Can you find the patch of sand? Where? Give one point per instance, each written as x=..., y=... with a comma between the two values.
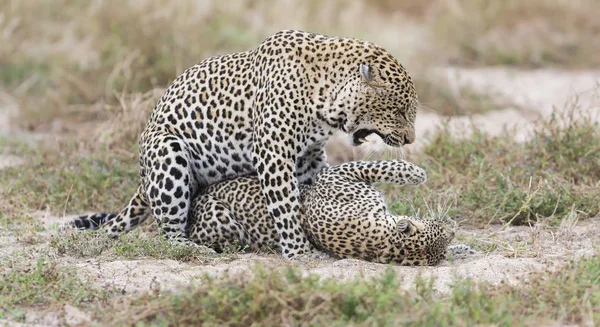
x=7, y=160
x=536, y=94
x=543, y=248
x=8, y=244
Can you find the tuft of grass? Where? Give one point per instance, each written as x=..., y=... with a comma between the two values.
x=568, y=295
x=42, y=283
x=131, y=246
x=568, y=144
x=127, y=119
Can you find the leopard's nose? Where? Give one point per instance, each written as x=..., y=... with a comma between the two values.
x=409, y=137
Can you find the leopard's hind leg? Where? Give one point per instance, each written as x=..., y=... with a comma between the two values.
x=211, y=223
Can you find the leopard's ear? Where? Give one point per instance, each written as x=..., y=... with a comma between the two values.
x=409, y=226
x=405, y=226
x=367, y=73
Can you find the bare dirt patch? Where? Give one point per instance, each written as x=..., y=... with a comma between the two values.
x=7, y=160
x=519, y=251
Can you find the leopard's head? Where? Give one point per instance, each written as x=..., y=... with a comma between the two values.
x=421, y=241
x=379, y=98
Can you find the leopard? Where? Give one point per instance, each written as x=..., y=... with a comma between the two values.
x=269, y=112
x=343, y=215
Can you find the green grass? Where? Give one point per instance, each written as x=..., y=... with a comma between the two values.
x=41, y=283
x=63, y=180
x=97, y=73
x=479, y=179
x=569, y=295
x=14, y=73
x=131, y=246
x=485, y=179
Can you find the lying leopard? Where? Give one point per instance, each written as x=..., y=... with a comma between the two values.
x=266, y=112
x=342, y=215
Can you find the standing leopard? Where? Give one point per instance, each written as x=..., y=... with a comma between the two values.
x=267, y=111
x=342, y=214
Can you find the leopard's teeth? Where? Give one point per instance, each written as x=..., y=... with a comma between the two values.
x=363, y=140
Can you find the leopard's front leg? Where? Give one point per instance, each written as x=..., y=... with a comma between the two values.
x=400, y=172
x=275, y=166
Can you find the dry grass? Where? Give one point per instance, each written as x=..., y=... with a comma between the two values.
x=40, y=283
x=144, y=242
x=527, y=33
x=67, y=63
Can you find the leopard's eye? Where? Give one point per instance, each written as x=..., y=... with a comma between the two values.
x=403, y=114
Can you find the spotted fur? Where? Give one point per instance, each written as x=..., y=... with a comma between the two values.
x=268, y=112
x=342, y=214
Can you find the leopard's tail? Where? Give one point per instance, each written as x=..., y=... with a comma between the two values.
x=136, y=212
x=91, y=222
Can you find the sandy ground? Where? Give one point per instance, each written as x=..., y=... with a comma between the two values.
x=538, y=248
x=520, y=250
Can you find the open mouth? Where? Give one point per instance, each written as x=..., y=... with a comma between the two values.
x=359, y=137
